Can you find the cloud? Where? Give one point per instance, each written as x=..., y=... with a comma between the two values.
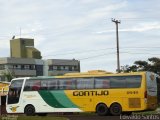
x=69, y=26
x=139, y=28
x=143, y=27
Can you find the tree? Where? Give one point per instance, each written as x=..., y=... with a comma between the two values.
x=152, y=64
x=8, y=75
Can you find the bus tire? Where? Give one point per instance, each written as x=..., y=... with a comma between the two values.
x=29, y=110
x=102, y=109
x=115, y=109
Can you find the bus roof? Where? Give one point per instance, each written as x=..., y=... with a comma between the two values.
x=91, y=73
x=4, y=82
x=97, y=73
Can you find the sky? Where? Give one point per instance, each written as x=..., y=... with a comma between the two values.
x=83, y=29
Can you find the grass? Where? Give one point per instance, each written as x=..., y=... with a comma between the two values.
x=63, y=117
x=16, y=117
x=145, y=112
x=157, y=111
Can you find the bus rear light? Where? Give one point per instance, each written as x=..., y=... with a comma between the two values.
x=145, y=94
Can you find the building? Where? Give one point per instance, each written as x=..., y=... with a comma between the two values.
x=24, y=48
x=30, y=67
x=60, y=66
x=21, y=67
x=25, y=61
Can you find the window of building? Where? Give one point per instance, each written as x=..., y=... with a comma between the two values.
x=72, y=68
x=50, y=67
x=16, y=66
x=75, y=67
x=54, y=67
x=22, y=67
x=26, y=67
x=32, y=67
x=2, y=67
x=58, y=67
x=62, y=67
x=66, y=68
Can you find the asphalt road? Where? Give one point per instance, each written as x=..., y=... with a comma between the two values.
x=121, y=117
x=89, y=117
x=93, y=117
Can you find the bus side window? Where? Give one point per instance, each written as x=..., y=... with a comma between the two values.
x=44, y=85
x=14, y=91
x=118, y=82
x=133, y=81
x=32, y=85
x=36, y=85
x=52, y=84
x=27, y=86
x=85, y=83
x=62, y=84
x=67, y=84
x=70, y=84
x=102, y=82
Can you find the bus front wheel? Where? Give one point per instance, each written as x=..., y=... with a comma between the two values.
x=115, y=109
x=29, y=110
x=102, y=109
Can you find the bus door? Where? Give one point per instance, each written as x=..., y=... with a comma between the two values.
x=151, y=90
x=3, y=105
x=14, y=94
x=158, y=89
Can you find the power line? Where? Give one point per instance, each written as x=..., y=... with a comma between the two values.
x=140, y=53
x=101, y=55
x=139, y=47
x=96, y=56
x=104, y=54
x=79, y=52
x=138, y=18
x=103, y=49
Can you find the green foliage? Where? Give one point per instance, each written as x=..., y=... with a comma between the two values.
x=40, y=118
x=8, y=75
x=152, y=64
x=21, y=117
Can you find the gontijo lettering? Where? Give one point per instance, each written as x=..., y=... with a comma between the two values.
x=91, y=93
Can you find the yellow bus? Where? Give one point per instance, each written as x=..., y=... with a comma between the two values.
x=94, y=91
x=4, y=87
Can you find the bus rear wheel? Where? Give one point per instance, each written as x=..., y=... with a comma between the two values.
x=102, y=109
x=115, y=109
x=29, y=110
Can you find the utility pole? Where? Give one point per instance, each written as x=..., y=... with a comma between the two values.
x=118, y=61
x=20, y=32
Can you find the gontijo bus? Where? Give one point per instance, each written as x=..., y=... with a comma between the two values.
x=94, y=91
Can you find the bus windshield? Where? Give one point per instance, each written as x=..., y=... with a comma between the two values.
x=14, y=91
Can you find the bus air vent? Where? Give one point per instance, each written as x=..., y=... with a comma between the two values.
x=134, y=102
